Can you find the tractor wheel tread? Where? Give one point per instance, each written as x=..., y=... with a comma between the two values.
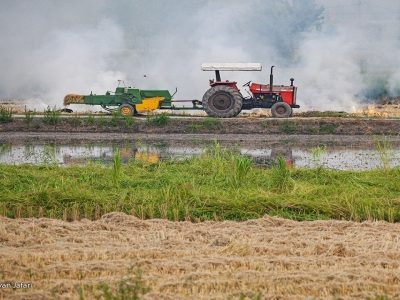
x=281, y=110
x=212, y=111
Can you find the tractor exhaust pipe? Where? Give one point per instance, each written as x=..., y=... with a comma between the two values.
x=271, y=79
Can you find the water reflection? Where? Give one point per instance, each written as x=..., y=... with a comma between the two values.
x=328, y=157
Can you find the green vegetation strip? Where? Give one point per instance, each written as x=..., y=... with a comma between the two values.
x=218, y=185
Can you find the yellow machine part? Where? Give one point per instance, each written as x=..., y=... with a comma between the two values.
x=149, y=104
x=147, y=157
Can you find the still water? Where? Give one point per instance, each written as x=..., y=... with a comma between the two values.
x=343, y=158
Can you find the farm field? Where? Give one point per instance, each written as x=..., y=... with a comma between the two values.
x=129, y=223
x=216, y=225
x=240, y=150
x=266, y=258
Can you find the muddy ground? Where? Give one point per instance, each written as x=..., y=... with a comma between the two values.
x=271, y=257
x=185, y=125
x=251, y=141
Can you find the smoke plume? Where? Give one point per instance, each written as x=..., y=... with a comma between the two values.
x=340, y=52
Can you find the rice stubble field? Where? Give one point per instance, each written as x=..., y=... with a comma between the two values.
x=266, y=258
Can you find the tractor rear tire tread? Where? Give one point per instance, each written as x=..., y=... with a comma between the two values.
x=213, y=112
x=276, y=113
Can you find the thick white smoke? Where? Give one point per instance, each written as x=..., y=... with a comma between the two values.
x=341, y=52
x=352, y=57
x=43, y=57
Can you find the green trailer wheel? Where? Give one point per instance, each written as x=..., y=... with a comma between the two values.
x=126, y=110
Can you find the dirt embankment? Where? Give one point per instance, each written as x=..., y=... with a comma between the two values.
x=271, y=257
x=339, y=126
x=250, y=141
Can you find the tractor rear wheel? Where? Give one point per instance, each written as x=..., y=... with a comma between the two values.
x=222, y=101
x=281, y=110
x=126, y=110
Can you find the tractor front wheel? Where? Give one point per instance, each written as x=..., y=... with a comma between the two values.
x=281, y=110
x=126, y=110
x=222, y=101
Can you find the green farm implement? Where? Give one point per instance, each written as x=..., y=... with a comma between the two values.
x=128, y=100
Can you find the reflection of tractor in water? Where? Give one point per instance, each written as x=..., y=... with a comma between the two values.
x=154, y=154
x=285, y=152
x=223, y=99
x=126, y=153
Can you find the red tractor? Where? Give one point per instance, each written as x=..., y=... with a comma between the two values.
x=224, y=99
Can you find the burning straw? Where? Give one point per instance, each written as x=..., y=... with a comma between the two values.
x=73, y=98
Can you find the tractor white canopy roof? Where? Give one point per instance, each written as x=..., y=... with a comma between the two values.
x=231, y=67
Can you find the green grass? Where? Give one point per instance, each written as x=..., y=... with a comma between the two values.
x=218, y=185
x=5, y=115
x=130, y=287
x=208, y=123
x=317, y=153
x=128, y=121
x=160, y=120
x=89, y=120
x=75, y=121
x=385, y=151
x=211, y=123
x=100, y=121
x=288, y=127
x=327, y=128
x=29, y=116
x=51, y=116
x=115, y=117
x=323, y=114
x=193, y=127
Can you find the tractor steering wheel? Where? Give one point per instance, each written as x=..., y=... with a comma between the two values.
x=247, y=84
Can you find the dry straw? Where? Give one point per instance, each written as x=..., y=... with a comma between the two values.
x=73, y=98
x=269, y=257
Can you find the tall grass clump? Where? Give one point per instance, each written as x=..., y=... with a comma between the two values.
x=5, y=114
x=101, y=121
x=281, y=178
x=194, y=127
x=115, y=117
x=76, y=120
x=116, y=167
x=128, y=121
x=317, y=153
x=51, y=116
x=29, y=115
x=160, y=120
x=241, y=167
x=385, y=151
x=89, y=119
x=48, y=155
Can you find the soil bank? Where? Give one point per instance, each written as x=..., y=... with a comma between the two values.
x=184, y=125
